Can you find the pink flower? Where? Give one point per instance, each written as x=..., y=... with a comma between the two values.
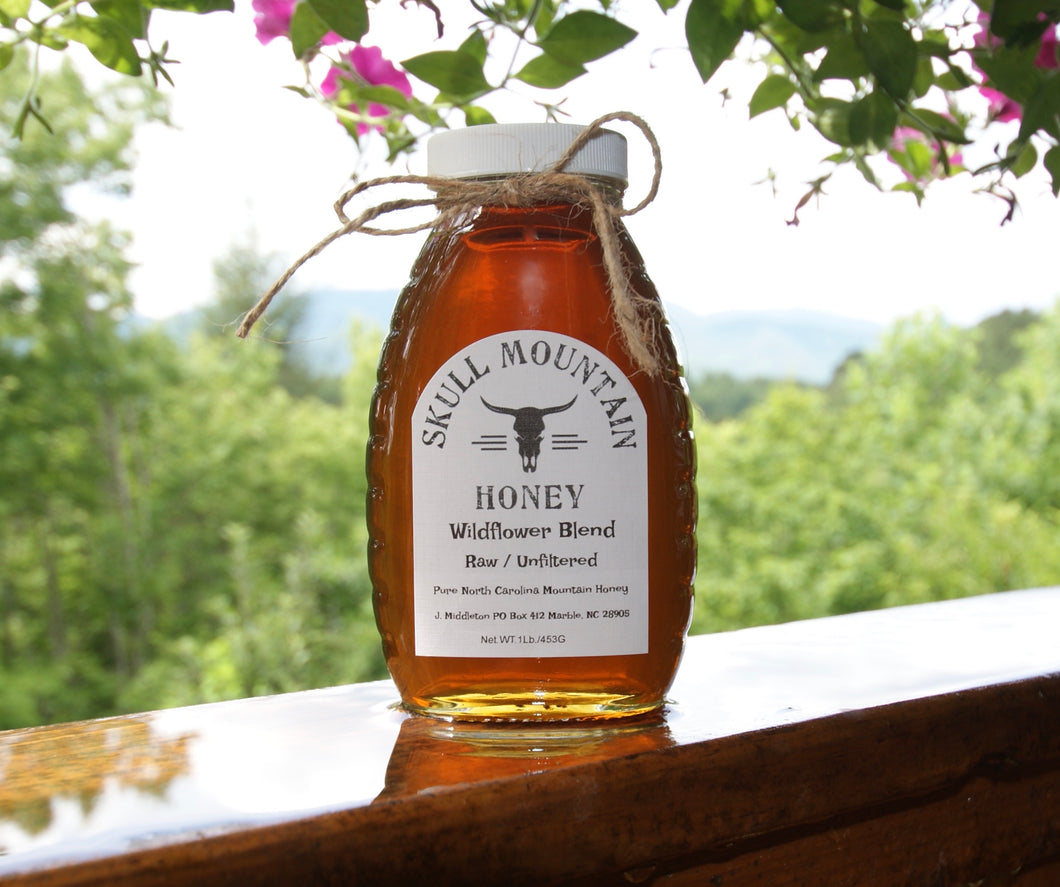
x=1001, y=107
x=1047, y=55
x=366, y=66
x=983, y=37
x=903, y=135
x=272, y=19
x=916, y=155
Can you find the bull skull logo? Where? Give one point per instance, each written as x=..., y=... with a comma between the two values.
x=529, y=428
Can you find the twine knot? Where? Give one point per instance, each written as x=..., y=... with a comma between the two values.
x=636, y=315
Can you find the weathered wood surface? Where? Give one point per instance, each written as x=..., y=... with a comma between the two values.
x=912, y=746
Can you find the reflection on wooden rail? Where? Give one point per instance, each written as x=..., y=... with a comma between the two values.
x=919, y=745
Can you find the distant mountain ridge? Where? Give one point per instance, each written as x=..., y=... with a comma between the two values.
x=805, y=346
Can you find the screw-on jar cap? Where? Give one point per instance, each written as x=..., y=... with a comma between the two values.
x=500, y=149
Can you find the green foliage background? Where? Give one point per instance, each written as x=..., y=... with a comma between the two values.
x=918, y=476
x=183, y=522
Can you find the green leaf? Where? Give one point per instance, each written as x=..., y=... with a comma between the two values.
x=935, y=44
x=755, y=13
x=1052, y=163
x=949, y=82
x=546, y=14
x=427, y=114
x=348, y=18
x=810, y=15
x=191, y=5
x=954, y=79
x=7, y=53
x=307, y=29
x=52, y=39
x=547, y=72
x=397, y=144
x=352, y=93
x=937, y=126
x=866, y=171
x=14, y=8
x=713, y=28
x=786, y=34
x=913, y=188
x=1021, y=22
x=476, y=116
x=925, y=77
x=667, y=5
x=1011, y=71
x=922, y=159
x=1043, y=108
x=129, y=15
x=891, y=54
x=583, y=36
x=475, y=46
x=872, y=120
x=832, y=119
x=773, y=92
x=1024, y=161
x=844, y=60
x=107, y=40
x=456, y=74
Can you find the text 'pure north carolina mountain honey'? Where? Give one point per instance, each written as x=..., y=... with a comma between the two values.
x=531, y=502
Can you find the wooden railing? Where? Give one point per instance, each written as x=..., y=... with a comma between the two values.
x=919, y=745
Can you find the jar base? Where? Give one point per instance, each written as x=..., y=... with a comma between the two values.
x=533, y=707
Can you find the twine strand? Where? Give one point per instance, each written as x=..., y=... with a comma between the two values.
x=636, y=316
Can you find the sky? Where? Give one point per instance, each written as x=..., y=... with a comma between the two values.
x=251, y=162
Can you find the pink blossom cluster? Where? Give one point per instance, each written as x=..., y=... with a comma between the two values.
x=364, y=65
x=272, y=19
x=1003, y=108
x=901, y=140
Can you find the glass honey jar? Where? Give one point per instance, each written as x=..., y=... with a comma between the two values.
x=531, y=504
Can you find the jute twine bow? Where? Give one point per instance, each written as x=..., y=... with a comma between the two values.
x=637, y=316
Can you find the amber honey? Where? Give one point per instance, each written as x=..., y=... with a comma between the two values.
x=537, y=586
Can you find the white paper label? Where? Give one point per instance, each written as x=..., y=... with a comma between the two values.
x=530, y=503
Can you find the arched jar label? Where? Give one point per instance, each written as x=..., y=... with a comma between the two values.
x=530, y=503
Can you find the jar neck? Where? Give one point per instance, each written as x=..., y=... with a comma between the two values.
x=610, y=189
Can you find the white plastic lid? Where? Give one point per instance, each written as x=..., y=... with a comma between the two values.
x=499, y=149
